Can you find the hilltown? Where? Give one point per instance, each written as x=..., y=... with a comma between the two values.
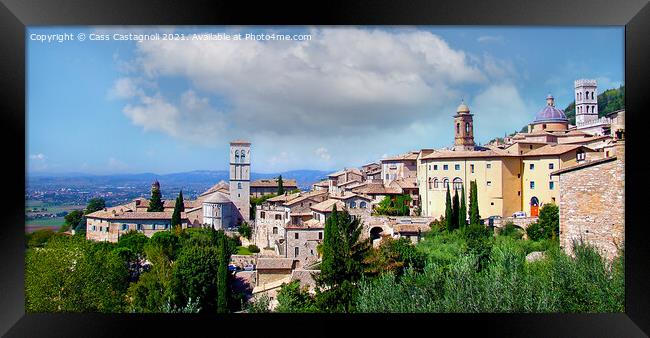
x=578, y=167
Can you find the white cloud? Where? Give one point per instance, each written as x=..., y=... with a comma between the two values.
x=125, y=88
x=116, y=165
x=500, y=107
x=38, y=157
x=323, y=153
x=490, y=39
x=342, y=91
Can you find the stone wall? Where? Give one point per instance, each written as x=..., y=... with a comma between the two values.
x=592, y=206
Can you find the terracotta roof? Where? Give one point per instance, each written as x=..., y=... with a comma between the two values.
x=467, y=153
x=274, y=263
x=323, y=183
x=554, y=149
x=411, y=228
x=341, y=172
x=588, y=139
x=284, y=198
x=221, y=186
x=290, y=183
x=377, y=189
x=347, y=195
x=217, y=197
x=357, y=185
x=584, y=165
x=240, y=141
x=144, y=203
x=163, y=215
x=312, y=223
x=305, y=196
x=307, y=225
x=327, y=205
x=410, y=156
x=406, y=182
x=348, y=183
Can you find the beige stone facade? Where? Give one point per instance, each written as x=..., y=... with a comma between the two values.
x=592, y=204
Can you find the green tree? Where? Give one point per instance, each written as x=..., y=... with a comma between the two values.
x=455, y=210
x=342, y=264
x=474, y=216
x=449, y=213
x=72, y=219
x=38, y=238
x=393, y=255
x=280, y=186
x=70, y=274
x=95, y=204
x=223, y=291
x=549, y=220
x=245, y=230
x=462, y=214
x=294, y=299
x=178, y=208
x=155, y=202
x=199, y=268
x=153, y=290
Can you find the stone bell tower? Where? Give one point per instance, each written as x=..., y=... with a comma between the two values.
x=463, y=128
x=586, y=101
x=240, y=179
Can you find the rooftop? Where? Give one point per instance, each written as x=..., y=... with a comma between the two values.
x=275, y=263
x=584, y=165
x=327, y=205
x=273, y=183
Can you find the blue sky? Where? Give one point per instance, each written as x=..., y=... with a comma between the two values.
x=348, y=96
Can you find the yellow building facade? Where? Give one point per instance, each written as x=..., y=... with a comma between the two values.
x=509, y=180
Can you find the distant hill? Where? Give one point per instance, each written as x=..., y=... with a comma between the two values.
x=197, y=179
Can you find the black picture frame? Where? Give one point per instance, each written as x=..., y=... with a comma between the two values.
x=16, y=15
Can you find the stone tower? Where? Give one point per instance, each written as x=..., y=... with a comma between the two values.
x=586, y=101
x=240, y=179
x=463, y=128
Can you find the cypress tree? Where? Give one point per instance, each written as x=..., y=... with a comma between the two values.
x=222, y=275
x=448, y=212
x=330, y=245
x=280, y=186
x=455, y=212
x=462, y=216
x=155, y=202
x=474, y=216
x=178, y=208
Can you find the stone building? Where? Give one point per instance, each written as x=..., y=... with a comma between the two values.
x=592, y=203
x=342, y=177
x=302, y=242
x=240, y=178
x=263, y=187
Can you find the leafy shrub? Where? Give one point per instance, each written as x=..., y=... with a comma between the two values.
x=253, y=248
x=511, y=230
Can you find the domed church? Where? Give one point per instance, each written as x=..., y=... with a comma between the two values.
x=549, y=118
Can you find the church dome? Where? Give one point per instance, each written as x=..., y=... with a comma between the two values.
x=550, y=113
x=462, y=108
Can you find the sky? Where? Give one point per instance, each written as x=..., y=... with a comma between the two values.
x=345, y=97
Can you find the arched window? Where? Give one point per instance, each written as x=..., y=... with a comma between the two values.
x=278, y=217
x=243, y=156
x=458, y=183
x=430, y=182
x=238, y=185
x=275, y=230
x=445, y=183
x=353, y=205
x=467, y=128
x=587, y=96
x=592, y=95
x=362, y=205
x=435, y=183
x=457, y=128
x=236, y=156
